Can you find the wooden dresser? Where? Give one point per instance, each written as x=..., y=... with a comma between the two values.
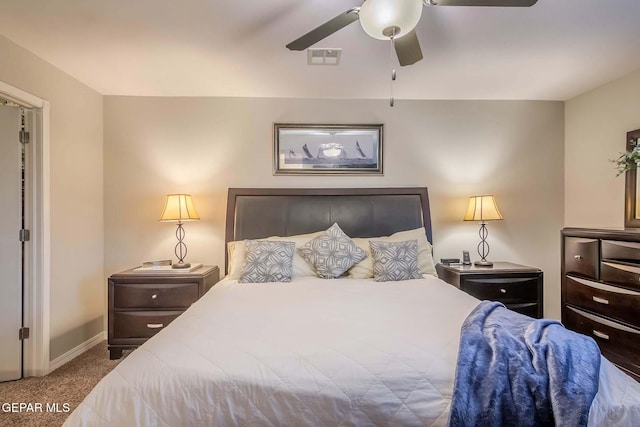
x=601, y=291
x=141, y=304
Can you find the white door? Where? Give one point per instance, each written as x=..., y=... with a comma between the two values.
x=10, y=245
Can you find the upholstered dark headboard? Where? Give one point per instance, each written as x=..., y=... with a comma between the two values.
x=254, y=213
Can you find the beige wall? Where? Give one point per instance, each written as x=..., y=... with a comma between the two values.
x=77, y=279
x=596, y=124
x=514, y=150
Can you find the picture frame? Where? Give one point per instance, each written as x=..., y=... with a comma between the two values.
x=632, y=187
x=321, y=149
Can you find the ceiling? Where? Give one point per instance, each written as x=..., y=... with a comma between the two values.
x=554, y=50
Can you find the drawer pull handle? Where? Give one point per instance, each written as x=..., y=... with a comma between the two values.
x=578, y=257
x=154, y=296
x=159, y=325
x=600, y=300
x=600, y=335
x=504, y=291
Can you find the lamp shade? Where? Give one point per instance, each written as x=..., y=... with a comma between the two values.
x=482, y=208
x=179, y=207
x=378, y=15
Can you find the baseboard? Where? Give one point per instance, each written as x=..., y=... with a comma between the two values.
x=77, y=351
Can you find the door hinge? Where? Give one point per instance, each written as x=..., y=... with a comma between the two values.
x=24, y=137
x=23, y=333
x=25, y=235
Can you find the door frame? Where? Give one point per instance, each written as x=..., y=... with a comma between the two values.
x=37, y=271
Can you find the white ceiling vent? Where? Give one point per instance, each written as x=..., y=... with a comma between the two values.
x=323, y=56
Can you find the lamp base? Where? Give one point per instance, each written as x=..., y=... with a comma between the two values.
x=181, y=265
x=483, y=264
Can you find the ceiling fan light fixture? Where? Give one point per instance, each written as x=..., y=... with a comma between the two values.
x=376, y=16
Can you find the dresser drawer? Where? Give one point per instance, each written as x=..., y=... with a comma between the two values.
x=505, y=289
x=621, y=251
x=581, y=257
x=154, y=295
x=610, y=336
x=620, y=274
x=607, y=300
x=141, y=324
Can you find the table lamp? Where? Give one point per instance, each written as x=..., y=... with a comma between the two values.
x=483, y=208
x=179, y=207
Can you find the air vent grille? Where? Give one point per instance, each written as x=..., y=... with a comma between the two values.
x=323, y=56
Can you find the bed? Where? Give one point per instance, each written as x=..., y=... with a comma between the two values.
x=349, y=351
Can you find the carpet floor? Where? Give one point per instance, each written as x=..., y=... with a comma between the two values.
x=58, y=393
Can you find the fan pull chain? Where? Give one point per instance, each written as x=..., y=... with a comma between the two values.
x=393, y=70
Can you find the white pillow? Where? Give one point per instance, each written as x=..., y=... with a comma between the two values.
x=237, y=253
x=364, y=269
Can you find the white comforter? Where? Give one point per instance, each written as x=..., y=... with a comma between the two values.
x=311, y=352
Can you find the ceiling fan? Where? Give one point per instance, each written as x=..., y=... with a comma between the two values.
x=393, y=20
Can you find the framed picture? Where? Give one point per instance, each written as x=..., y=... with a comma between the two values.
x=301, y=149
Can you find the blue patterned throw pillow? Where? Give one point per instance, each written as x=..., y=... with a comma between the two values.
x=267, y=261
x=395, y=260
x=332, y=253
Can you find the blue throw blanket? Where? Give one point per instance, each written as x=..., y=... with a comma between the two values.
x=516, y=371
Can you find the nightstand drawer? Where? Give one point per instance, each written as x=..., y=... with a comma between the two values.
x=506, y=290
x=516, y=286
x=617, y=303
x=154, y=295
x=528, y=309
x=582, y=256
x=141, y=324
x=610, y=336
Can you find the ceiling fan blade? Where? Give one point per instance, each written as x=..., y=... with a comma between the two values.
x=499, y=3
x=408, y=48
x=325, y=30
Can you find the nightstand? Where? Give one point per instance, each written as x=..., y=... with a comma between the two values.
x=517, y=286
x=141, y=304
